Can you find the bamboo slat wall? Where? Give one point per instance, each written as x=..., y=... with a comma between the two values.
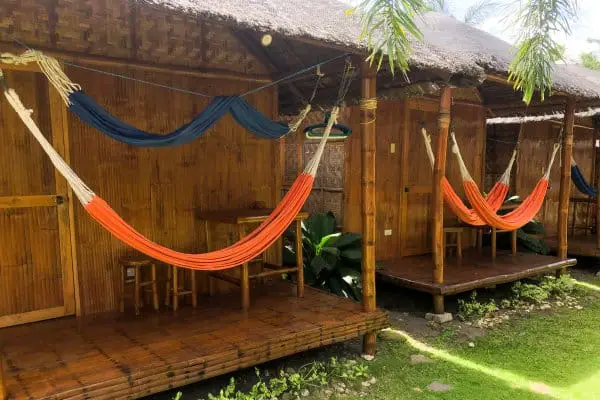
x=404, y=176
x=30, y=266
x=125, y=30
x=536, y=146
x=158, y=191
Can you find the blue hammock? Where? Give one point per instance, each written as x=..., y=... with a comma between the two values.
x=91, y=112
x=580, y=182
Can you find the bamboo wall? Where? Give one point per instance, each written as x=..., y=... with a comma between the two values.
x=403, y=180
x=30, y=267
x=536, y=147
x=158, y=191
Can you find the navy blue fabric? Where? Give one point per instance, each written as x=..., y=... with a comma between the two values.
x=91, y=112
x=581, y=183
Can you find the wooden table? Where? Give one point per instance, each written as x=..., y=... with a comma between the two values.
x=241, y=218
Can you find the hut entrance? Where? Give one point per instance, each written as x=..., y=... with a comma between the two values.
x=36, y=271
x=417, y=177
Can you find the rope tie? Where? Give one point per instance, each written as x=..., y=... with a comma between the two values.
x=313, y=164
x=49, y=66
x=557, y=147
x=368, y=105
x=301, y=117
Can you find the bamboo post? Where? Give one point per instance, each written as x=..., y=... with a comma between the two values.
x=245, y=276
x=513, y=242
x=437, y=201
x=565, y=179
x=494, y=242
x=299, y=259
x=3, y=389
x=368, y=106
x=596, y=123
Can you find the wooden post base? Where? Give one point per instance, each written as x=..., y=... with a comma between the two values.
x=438, y=304
x=370, y=343
x=561, y=272
x=3, y=390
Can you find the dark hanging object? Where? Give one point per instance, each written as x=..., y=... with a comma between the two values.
x=338, y=131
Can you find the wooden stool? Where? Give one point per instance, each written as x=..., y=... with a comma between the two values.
x=513, y=241
x=458, y=242
x=176, y=289
x=136, y=263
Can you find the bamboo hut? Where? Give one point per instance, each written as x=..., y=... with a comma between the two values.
x=414, y=230
x=61, y=332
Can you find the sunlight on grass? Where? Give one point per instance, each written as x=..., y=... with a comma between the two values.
x=514, y=380
x=587, y=285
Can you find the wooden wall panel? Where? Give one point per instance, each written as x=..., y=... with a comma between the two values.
x=536, y=148
x=30, y=265
x=158, y=191
x=403, y=178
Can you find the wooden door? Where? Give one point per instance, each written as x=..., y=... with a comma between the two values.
x=416, y=179
x=36, y=259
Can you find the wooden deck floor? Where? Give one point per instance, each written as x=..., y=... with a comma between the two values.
x=579, y=245
x=475, y=271
x=117, y=357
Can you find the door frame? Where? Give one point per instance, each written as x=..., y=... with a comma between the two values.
x=63, y=201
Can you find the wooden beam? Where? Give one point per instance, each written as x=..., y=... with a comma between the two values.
x=49, y=200
x=111, y=62
x=503, y=80
x=565, y=178
x=368, y=90
x=32, y=316
x=3, y=384
x=437, y=199
x=260, y=52
x=59, y=119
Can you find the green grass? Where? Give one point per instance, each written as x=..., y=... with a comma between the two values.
x=539, y=357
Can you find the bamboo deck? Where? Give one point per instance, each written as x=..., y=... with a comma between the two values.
x=474, y=271
x=118, y=357
x=578, y=245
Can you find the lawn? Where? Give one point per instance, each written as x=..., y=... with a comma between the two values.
x=552, y=355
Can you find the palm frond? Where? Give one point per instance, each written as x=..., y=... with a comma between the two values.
x=478, y=12
x=388, y=27
x=441, y=6
x=537, y=50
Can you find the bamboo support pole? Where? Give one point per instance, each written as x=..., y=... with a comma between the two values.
x=245, y=274
x=596, y=123
x=299, y=259
x=3, y=389
x=565, y=179
x=368, y=90
x=513, y=242
x=437, y=202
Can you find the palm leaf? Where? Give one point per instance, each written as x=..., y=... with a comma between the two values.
x=479, y=11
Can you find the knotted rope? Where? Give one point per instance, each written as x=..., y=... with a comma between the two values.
x=368, y=105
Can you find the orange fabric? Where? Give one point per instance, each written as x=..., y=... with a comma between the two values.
x=516, y=218
x=241, y=252
x=494, y=200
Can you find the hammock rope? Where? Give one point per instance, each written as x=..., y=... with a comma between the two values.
x=243, y=251
x=90, y=112
x=517, y=218
x=580, y=182
x=495, y=197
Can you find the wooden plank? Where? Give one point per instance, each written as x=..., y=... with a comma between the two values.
x=110, y=62
x=403, y=179
x=31, y=316
x=60, y=141
x=49, y=200
x=368, y=138
x=437, y=203
x=475, y=270
x=565, y=178
x=107, y=357
x=31, y=67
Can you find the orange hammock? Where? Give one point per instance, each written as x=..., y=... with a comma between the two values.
x=243, y=251
x=520, y=216
x=494, y=199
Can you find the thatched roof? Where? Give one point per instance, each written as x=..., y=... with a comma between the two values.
x=450, y=45
x=324, y=21
x=493, y=53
